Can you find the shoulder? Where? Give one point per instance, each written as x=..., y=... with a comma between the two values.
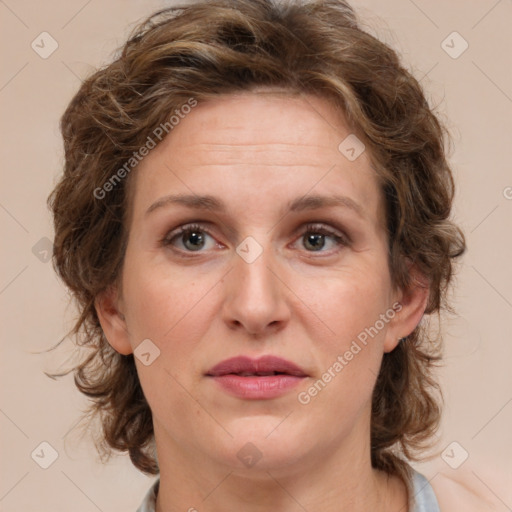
x=463, y=490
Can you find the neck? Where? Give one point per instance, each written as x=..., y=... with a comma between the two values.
x=342, y=481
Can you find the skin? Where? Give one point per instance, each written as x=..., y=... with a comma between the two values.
x=257, y=151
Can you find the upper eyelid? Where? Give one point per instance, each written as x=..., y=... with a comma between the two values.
x=303, y=227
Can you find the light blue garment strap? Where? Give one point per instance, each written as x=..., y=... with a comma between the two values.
x=423, y=497
x=149, y=503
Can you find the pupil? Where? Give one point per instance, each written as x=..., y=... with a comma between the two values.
x=314, y=240
x=196, y=240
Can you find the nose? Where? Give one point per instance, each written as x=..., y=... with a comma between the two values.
x=256, y=296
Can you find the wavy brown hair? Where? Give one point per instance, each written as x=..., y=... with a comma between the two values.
x=218, y=47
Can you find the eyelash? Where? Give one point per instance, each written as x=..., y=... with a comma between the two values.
x=310, y=228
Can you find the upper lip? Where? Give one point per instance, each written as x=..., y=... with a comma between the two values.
x=263, y=365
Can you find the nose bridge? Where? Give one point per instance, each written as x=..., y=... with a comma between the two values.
x=255, y=297
x=255, y=276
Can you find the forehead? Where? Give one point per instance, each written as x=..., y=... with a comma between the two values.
x=279, y=134
x=238, y=122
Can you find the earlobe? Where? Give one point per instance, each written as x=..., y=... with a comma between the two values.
x=112, y=320
x=413, y=303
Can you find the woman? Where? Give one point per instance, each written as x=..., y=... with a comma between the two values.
x=254, y=217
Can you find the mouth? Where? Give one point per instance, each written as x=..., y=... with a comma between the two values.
x=265, y=366
x=258, y=374
x=256, y=379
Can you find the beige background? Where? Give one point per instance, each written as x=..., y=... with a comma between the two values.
x=474, y=94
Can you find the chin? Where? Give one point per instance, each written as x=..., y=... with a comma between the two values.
x=264, y=443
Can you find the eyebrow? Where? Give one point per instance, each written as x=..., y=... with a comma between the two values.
x=211, y=203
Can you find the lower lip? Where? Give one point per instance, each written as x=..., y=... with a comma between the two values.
x=257, y=388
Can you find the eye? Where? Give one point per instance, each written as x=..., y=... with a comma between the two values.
x=190, y=238
x=316, y=237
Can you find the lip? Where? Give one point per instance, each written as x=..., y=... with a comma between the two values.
x=232, y=377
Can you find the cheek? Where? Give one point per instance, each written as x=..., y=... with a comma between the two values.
x=163, y=306
x=349, y=304
x=174, y=312
x=351, y=348
x=166, y=393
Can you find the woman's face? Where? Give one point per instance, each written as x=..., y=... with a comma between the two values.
x=284, y=253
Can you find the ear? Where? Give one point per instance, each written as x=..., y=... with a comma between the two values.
x=410, y=307
x=112, y=320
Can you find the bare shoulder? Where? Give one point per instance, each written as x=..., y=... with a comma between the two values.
x=466, y=491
